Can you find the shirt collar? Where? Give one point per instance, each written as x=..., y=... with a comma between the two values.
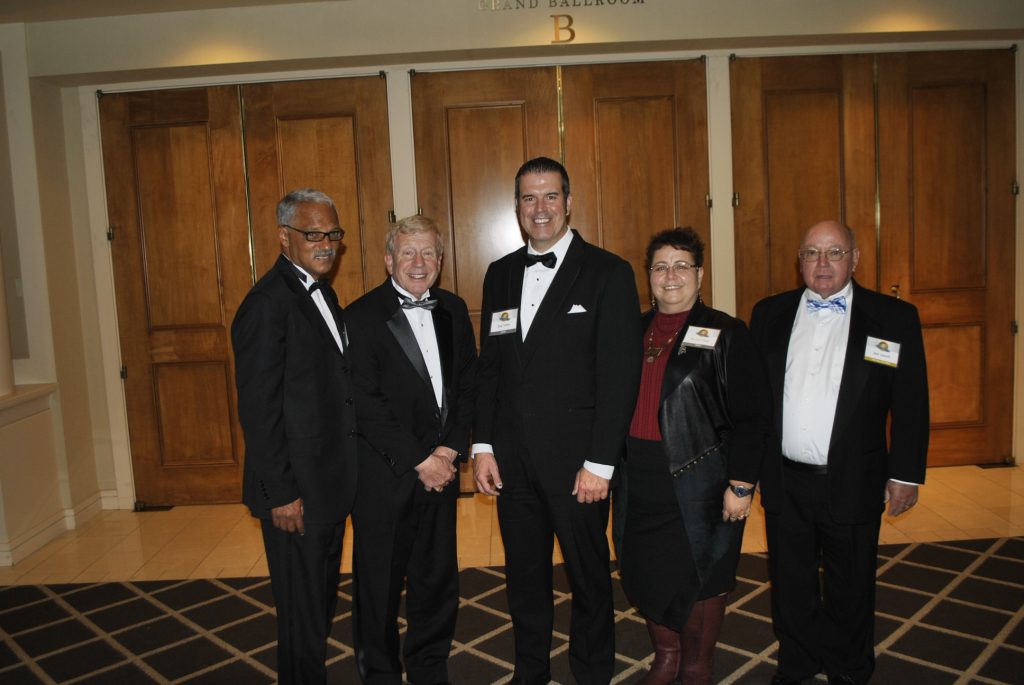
x=559, y=249
x=406, y=293
x=846, y=292
x=303, y=275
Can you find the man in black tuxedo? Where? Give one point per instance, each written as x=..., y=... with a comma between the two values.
x=413, y=356
x=295, y=404
x=841, y=361
x=557, y=381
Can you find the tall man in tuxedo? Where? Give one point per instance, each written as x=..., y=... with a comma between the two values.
x=557, y=381
x=413, y=355
x=296, y=409
x=841, y=361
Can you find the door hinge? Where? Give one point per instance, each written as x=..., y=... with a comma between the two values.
x=735, y=199
x=708, y=202
x=124, y=373
x=391, y=216
x=110, y=232
x=1016, y=189
x=1013, y=327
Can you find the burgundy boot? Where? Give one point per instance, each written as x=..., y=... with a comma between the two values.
x=665, y=668
x=698, y=640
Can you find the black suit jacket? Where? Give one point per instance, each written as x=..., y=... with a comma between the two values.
x=860, y=459
x=295, y=400
x=566, y=394
x=399, y=420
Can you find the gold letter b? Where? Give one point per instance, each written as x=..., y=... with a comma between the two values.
x=563, y=29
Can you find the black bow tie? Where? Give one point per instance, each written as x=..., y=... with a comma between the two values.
x=319, y=285
x=548, y=259
x=409, y=303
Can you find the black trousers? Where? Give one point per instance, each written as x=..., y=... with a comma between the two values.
x=413, y=547
x=823, y=584
x=304, y=571
x=530, y=519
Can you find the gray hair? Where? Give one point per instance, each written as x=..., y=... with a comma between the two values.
x=288, y=205
x=417, y=223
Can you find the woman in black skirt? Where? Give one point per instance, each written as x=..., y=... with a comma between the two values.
x=693, y=458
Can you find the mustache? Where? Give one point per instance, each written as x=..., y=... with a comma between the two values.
x=327, y=252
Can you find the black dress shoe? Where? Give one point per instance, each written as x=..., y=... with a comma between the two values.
x=779, y=679
x=841, y=679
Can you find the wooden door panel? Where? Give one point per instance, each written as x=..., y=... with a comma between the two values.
x=948, y=187
x=176, y=202
x=483, y=220
x=191, y=394
x=636, y=148
x=955, y=375
x=803, y=159
x=947, y=226
x=178, y=227
x=803, y=151
x=331, y=135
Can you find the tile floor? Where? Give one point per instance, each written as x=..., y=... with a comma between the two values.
x=223, y=541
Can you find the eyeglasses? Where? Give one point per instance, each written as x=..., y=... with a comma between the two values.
x=678, y=268
x=811, y=254
x=317, y=236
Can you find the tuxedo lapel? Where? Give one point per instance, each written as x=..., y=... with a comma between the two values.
x=443, y=333
x=399, y=326
x=854, y=376
x=780, y=330
x=307, y=306
x=682, y=360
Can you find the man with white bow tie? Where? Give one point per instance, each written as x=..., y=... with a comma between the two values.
x=842, y=361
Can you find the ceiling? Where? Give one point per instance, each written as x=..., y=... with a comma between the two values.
x=17, y=11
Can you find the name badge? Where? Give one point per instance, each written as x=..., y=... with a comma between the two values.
x=504, y=322
x=882, y=351
x=701, y=337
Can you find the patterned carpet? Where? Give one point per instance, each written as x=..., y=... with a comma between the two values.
x=948, y=612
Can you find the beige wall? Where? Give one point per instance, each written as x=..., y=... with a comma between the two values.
x=50, y=72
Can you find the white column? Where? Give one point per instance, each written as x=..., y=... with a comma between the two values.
x=6, y=363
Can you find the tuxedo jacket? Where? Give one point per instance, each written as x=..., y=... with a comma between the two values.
x=566, y=394
x=399, y=420
x=295, y=400
x=861, y=456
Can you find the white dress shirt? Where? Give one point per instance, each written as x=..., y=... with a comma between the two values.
x=422, y=323
x=321, y=304
x=814, y=370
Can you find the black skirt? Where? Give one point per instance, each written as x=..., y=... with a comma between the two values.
x=659, y=574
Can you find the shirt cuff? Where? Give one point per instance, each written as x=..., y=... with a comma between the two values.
x=905, y=482
x=480, y=447
x=605, y=471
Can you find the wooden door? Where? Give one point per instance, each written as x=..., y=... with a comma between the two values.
x=803, y=151
x=636, y=145
x=176, y=202
x=946, y=132
x=331, y=135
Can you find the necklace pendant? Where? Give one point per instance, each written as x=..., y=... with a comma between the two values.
x=653, y=353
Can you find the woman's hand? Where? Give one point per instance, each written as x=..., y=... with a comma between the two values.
x=734, y=507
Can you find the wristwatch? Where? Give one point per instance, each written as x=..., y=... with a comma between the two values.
x=742, y=490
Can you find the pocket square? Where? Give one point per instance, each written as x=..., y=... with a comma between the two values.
x=577, y=309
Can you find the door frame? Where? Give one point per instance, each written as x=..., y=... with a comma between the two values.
x=111, y=435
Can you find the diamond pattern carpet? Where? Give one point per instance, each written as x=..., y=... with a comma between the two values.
x=950, y=612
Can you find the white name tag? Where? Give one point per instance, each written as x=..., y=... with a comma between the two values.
x=504, y=322
x=882, y=351
x=701, y=337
